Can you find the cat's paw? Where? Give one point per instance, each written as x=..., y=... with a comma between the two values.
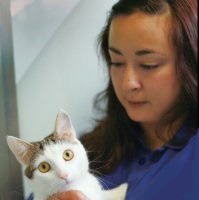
x=121, y=191
x=118, y=193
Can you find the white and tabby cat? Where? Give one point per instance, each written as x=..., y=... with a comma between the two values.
x=59, y=163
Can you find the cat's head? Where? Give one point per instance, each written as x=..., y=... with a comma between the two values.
x=56, y=160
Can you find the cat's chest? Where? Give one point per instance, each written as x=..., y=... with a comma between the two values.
x=86, y=183
x=89, y=185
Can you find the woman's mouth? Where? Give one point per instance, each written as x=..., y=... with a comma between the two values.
x=136, y=104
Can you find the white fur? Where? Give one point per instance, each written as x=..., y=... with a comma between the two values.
x=46, y=184
x=75, y=172
x=79, y=177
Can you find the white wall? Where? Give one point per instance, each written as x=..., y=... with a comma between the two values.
x=66, y=74
x=34, y=23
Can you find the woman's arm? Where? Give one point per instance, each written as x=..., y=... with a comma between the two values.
x=69, y=195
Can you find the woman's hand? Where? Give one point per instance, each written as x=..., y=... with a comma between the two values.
x=69, y=195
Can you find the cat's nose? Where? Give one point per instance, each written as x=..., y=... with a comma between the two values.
x=63, y=176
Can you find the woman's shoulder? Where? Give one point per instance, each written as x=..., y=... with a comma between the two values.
x=191, y=137
x=193, y=146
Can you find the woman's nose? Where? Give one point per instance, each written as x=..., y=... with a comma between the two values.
x=131, y=79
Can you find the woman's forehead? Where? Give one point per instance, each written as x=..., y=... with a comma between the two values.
x=140, y=31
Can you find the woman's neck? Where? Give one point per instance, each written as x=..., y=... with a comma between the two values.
x=151, y=138
x=156, y=136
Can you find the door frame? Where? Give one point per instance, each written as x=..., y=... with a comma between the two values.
x=11, y=186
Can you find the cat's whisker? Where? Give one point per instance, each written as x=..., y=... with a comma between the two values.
x=96, y=161
x=92, y=151
x=96, y=170
x=106, y=183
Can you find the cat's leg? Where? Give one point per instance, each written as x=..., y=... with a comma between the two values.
x=40, y=197
x=118, y=193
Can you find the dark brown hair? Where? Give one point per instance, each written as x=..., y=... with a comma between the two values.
x=110, y=141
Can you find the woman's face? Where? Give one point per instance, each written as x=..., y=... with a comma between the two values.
x=142, y=68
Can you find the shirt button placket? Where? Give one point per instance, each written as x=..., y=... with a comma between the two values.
x=142, y=161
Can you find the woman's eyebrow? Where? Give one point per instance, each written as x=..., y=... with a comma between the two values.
x=141, y=52
x=114, y=50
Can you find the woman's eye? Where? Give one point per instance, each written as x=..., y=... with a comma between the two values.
x=149, y=66
x=68, y=155
x=44, y=167
x=116, y=64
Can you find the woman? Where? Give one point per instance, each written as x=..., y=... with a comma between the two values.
x=148, y=136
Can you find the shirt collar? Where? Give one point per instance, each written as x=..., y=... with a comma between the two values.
x=180, y=139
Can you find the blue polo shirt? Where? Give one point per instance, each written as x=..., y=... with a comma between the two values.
x=168, y=173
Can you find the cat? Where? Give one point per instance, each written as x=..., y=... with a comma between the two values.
x=59, y=163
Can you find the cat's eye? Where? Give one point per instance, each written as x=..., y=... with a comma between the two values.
x=68, y=155
x=44, y=167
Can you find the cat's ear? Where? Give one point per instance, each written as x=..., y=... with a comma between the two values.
x=64, y=129
x=22, y=150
